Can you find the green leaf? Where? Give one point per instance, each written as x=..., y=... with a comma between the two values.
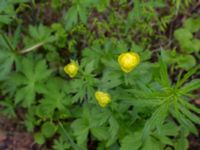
x=164, y=74
x=60, y=144
x=157, y=119
x=32, y=74
x=151, y=144
x=81, y=130
x=8, y=108
x=48, y=129
x=191, y=86
x=131, y=142
x=69, y=139
x=100, y=133
x=186, y=61
x=190, y=106
x=183, y=34
x=182, y=142
x=89, y=67
x=187, y=76
x=7, y=57
x=71, y=17
x=189, y=114
x=39, y=35
x=169, y=129
x=163, y=139
x=39, y=138
x=113, y=129
x=110, y=80
x=192, y=24
x=82, y=12
x=187, y=124
x=5, y=19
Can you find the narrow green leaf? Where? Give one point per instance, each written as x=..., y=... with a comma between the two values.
x=189, y=114
x=186, y=76
x=164, y=74
x=157, y=118
x=191, y=86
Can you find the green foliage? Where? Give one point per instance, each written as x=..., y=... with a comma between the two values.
x=29, y=79
x=151, y=107
x=7, y=57
x=184, y=36
x=7, y=10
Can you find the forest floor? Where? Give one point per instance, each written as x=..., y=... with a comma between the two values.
x=13, y=136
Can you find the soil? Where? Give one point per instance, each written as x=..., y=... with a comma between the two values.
x=14, y=137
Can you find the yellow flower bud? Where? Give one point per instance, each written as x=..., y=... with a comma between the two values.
x=71, y=69
x=103, y=98
x=128, y=61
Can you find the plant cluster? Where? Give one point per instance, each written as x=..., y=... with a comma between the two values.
x=102, y=74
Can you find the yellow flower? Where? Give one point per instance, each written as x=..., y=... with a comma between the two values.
x=128, y=61
x=103, y=98
x=71, y=69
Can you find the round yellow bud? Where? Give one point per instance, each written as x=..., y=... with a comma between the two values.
x=71, y=69
x=128, y=61
x=103, y=98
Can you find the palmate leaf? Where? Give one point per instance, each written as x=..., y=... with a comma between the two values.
x=101, y=133
x=7, y=57
x=83, y=87
x=60, y=144
x=8, y=108
x=81, y=130
x=81, y=126
x=77, y=12
x=39, y=35
x=28, y=81
x=71, y=17
x=110, y=80
x=99, y=117
x=132, y=141
x=113, y=129
x=55, y=98
x=7, y=10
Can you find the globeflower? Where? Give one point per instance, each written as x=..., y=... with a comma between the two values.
x=128, y=61
x=71, y=69
x=103, y=98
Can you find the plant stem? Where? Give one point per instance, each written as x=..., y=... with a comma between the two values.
x=31, y=48
x=75, y=147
